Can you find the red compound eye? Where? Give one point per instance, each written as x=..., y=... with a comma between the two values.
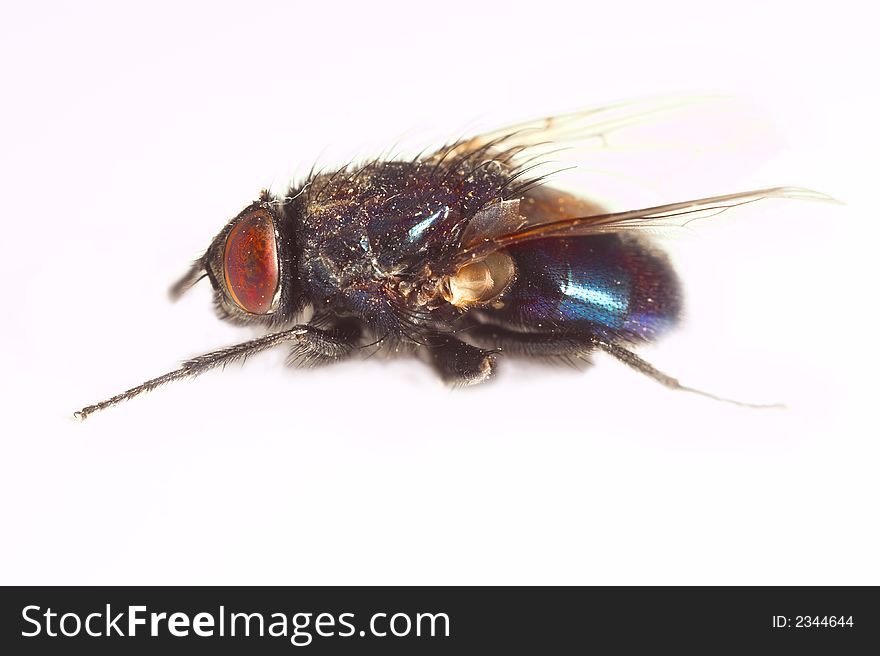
x=250, y=263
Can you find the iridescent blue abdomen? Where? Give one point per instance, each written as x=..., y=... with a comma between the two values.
x=610, y=285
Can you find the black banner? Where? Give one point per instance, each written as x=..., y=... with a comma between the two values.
x=416, y=620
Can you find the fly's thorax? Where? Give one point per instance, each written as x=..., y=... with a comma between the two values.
x=421, y=291
x=385, y=235
x=477, y=284
x=339, y=264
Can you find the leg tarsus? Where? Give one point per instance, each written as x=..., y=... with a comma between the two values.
x=632, y=360
x=202, y=363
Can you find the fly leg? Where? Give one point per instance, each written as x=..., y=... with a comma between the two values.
x=631, y=359
x=319, y=345
x=458, y=363
x=564, y=345
x=540, y=345
x=571, y=346
x=333, y=341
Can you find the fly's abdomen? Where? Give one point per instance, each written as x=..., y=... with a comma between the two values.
x=607, y=284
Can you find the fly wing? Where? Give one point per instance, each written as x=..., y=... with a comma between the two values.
x=603, y=161
x=618, y=155
x=661, y=216
x=494, y=222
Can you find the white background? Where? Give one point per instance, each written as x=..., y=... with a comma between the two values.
x=130, y=135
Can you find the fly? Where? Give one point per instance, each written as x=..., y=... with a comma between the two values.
x=459, y=257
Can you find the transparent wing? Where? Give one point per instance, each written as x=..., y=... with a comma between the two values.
x=670, y=215
x=630, y=153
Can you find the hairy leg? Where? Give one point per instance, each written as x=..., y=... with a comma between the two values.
x=541, y=345
x=319, y=342
x=570, y=346
x=333, y=341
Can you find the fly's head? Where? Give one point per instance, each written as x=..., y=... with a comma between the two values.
x=251, y=266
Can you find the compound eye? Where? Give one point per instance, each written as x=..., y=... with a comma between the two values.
x=250, y=263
